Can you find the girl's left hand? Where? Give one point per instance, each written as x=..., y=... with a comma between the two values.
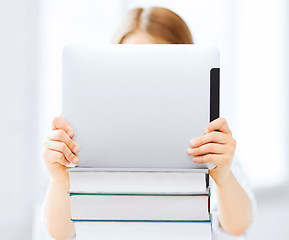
x=217, y=146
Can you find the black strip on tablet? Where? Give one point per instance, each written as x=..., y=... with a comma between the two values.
x=214, y=93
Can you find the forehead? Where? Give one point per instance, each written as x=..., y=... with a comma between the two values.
x=140, y=37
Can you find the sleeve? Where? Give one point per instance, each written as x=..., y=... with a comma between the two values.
x=217, y=231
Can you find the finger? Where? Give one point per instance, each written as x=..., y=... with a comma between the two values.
x=208, y=148
x=219, y=124
x=62, y=147
x=55, y=156
x=209, y=158
x=60, y=123
x=215, y=137
x=61, y=136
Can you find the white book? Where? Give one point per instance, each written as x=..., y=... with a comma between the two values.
x=135, y=180
x=140, y=207
x=143, y=231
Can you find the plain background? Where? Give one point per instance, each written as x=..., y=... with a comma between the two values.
x=253, y=37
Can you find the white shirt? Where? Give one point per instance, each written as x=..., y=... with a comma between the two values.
x=217, y=232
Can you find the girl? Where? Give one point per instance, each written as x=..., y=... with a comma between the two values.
x=235, y=201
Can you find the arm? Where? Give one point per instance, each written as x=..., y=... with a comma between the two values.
x=57, y=212
x=59, y=151
x=234, y=206
x=218, y=146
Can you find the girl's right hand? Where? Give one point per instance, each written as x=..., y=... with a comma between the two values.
x=59, y=149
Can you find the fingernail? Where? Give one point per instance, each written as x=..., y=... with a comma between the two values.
x=193, y=142
x=75, y=149
x=70, y=134
x=75, y=160
x=70, y=165
x=190, y=151
x=195, y=159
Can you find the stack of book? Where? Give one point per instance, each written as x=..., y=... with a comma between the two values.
x=130, y=204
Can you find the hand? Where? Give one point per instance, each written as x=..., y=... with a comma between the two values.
x=216, y=146
x=59, y=149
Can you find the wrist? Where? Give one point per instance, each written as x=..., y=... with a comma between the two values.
x=62, y=181
x=57, y=173
x=221, y=178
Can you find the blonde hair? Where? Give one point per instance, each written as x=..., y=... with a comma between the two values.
x=158, y=22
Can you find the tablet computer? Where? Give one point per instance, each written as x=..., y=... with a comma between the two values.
x=138, y=106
